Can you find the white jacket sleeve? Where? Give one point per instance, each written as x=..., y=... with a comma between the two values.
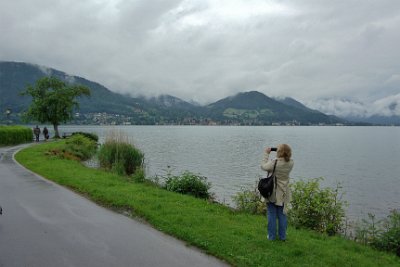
x=267, y=165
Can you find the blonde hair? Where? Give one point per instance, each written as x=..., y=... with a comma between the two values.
x=284, y=151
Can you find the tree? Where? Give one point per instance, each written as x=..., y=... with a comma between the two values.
x=53, y=101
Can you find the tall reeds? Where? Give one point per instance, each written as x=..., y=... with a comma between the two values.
x=13, y=135
x=118, y=154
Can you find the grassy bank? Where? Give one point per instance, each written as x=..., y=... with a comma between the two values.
x=237, y=238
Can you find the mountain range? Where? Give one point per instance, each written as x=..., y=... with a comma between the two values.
x=247, y=108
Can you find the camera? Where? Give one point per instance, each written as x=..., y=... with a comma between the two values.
x=274, y=149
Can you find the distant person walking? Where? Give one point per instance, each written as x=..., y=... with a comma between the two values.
x=36, y=131
x=277, y=203
x=46, y=133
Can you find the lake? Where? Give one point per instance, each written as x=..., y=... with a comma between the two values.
x=364, y=160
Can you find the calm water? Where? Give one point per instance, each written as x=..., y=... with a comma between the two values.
x=364, y=160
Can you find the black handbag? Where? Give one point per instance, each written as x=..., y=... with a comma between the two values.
x=266, y=185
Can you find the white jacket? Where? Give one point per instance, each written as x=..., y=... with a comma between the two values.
x=281, y=196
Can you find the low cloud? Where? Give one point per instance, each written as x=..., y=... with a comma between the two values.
x=339, y=107
x=387, y=106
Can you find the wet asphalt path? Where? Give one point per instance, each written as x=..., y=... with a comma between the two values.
x=44, y=224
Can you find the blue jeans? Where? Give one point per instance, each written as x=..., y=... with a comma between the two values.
x=275, y=212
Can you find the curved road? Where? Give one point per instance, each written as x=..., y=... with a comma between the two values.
x=44, y=224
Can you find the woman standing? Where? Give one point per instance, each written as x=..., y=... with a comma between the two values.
x=277, y=203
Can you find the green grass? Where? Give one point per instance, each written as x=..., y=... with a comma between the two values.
x=239, y=239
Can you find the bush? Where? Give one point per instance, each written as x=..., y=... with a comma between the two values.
x=13, y=135
x=315, y=208
x=80, y=147
x=189, y=184
x=389, y=237
x=381, y=234
x=249, y=201
x=366, y=231
x=91, y=136
x=121, y=157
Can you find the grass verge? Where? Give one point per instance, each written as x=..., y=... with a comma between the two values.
x=239, y=239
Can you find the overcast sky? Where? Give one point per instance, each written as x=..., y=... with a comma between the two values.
x=334, y=55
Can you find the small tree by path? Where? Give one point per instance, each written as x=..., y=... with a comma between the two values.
x=53, y=101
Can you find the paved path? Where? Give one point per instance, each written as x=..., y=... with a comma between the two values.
x=44, y=224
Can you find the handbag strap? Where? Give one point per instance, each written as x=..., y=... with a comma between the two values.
x=273, y=170
x=273, y=173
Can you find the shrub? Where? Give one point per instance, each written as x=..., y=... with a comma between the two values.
x=382, y=234
x=366, y=231
x=249, y=201
x=80, y=147
x=389, y=238
x=189, y=184
x=91, y=136
x=13, y=135
x=315, y=208
x=120, y=156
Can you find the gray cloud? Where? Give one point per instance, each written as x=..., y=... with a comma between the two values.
x=206, y=50
x=340, y=107
x=387, y=106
